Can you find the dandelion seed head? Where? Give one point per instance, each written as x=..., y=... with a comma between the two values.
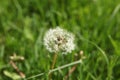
x=59, y=40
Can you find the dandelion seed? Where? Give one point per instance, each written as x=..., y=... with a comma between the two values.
x=59, y=40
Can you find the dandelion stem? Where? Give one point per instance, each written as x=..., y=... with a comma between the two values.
x=54, y=61
x=53, y=64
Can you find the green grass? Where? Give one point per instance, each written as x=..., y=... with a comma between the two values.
x=95, y=23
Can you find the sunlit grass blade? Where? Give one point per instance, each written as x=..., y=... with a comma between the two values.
x=56, y=69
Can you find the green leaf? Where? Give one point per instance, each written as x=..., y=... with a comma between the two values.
x=11, y=75
x=27, y=30
x=115, y=45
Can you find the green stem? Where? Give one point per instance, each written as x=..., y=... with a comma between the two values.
x=53, y=64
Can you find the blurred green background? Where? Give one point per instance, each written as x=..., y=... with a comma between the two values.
x=95, y=23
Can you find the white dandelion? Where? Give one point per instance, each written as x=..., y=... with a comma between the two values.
x=59, y=40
